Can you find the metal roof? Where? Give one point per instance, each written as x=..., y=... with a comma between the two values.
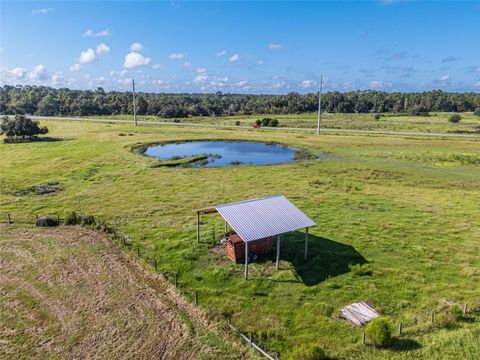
x=263, y=217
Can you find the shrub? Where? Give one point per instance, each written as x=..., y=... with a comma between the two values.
x=377, y=116
x=46, y=221
x=477, y=111
x=454, y=118
x=71, y=218
x=265, y=121
x=87, y=220
x=379, y=331
x=274, y=123
x=237, y=123
x=304, y=352
x=448, y=318
x=419, y=110
x=360, y=269
x=20, y=127
x=258, y=122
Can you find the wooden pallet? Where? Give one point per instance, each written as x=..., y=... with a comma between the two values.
x=359, y=313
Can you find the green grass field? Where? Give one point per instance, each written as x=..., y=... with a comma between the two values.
x=406, y=206
x=436, y=122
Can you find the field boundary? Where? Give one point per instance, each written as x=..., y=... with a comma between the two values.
x=243, y=127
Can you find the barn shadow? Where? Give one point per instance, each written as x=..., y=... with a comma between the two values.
x=326, y=258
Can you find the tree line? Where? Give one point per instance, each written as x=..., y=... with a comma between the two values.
x=47, y=101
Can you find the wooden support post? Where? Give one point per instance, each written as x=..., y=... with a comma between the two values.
x=138, y=251
x=250, y=339
x=400, y=328
x=225, y=233
x=306, y=242
x=9, y=219
x=196, y=298
x=155, y=264
x=433, y=317
x=198, y=227
x=465, y=309
x=176, y=280
x=278, y=251
x=363, y=339
x=246, y=260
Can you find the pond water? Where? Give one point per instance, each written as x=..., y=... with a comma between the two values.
x=224, y=153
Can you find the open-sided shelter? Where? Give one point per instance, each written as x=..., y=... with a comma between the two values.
x=261, y=218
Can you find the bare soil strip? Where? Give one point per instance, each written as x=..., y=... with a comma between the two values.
x=69, y=292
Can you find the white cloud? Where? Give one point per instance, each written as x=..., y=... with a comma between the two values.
x=241, y=83
x=18, y=73
x=75, y=67
x=103, y=48
x=218, y=81
x=477, y=84
x=43, y=11
x=136, y=47
x=234, y=58
x=86, y=56
x=157, y=66
x=275, y=46
x=222, y=53
x=186, y=64
x=134, y=59
x=202, y=76
x=261, y=62
x=176, y=56
x=380, y=84
x=91, y=33
x=39, y=73
x=444, y=78
x=308, y=83
x=279, y=84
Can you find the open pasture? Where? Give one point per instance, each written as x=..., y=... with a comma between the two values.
x=398, y=225
x=436, y=122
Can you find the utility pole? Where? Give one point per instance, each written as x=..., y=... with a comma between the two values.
x=134, y=104
x=319, y=105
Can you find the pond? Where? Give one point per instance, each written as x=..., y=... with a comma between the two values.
x=221, y=153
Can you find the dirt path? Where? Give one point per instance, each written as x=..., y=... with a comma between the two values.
x=70, y=293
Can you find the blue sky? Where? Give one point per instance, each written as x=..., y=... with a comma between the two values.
x=243, y=47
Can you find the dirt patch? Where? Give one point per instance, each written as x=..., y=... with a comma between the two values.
x=69, y=292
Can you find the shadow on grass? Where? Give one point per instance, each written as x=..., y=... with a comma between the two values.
x=405, y=345
x=32, y=140
x=326, y=258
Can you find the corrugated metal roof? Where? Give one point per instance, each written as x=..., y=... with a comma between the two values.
x=259, y=218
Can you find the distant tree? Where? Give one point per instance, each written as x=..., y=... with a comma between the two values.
x=455, y=118
x=477, y=111
x=20, y=127
x=48, y=106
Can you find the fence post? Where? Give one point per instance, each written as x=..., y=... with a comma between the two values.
x=155, y=264
x=9, y=218
x=58, y=218
x=400, y=328
x=363, y=338
x=196, y=298
x=176, y=279
x=138, y=251
x=433, y=317
x=250, y=339
x=465, y=309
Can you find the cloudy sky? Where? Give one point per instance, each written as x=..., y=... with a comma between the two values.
x=248, y=47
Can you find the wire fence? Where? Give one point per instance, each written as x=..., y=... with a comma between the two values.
x=172, y=276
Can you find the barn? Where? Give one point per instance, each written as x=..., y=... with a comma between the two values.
x=256, y=223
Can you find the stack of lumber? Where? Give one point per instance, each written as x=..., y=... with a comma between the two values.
x=359, y=313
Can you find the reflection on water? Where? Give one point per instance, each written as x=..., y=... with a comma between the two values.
x=224, y=153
